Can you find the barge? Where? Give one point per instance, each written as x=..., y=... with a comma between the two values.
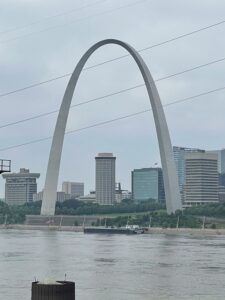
x=113, y=230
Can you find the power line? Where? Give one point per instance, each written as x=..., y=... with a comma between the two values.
x=114, y=120
x=115, y=9
x=112, y=60
x=69, y=74
x=113, y=94
x=162, y=43
x=72, y=22
x=72, y=106
x=51, y=17
x=33, y=85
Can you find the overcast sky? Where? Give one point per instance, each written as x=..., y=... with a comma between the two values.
x=42, y=39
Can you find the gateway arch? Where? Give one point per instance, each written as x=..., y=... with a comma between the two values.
x=172, y=193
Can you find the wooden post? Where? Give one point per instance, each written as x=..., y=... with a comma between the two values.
x=58, y=290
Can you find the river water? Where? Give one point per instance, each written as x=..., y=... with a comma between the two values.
x=114, y=267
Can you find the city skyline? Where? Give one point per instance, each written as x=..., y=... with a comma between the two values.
x=188, y=122
x=69, y=186
x=112, y=150
x=172, y=194
x=92, y=166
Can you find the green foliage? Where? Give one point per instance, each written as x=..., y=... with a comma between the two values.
x=16, y=214
x=209, y=210
x=75, y=207
x=190, y=218
x=158, y=219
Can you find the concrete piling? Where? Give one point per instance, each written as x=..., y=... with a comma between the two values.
x=57, y=290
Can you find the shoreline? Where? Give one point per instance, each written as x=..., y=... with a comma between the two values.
x=42, y=227
x=153, y=230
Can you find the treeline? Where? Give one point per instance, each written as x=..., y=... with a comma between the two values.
x=209, y=210
x=154, y=211
x=16, y=214
x=74, y=207
x=153, y=219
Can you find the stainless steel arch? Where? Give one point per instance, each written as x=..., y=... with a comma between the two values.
x=173, y=201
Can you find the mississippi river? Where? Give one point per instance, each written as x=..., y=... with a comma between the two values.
x=114, y=267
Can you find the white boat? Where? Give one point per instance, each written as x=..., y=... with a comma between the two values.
x=135, y=228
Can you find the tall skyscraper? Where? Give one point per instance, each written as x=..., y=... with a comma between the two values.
x=147, y=183
x=201, y=184
x=105, y=178
x=20, y=187
x=73, y=188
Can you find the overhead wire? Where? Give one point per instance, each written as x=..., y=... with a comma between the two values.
x=112, y=94
x=111, y=60
x=51, y=17
x=114, y=120
x=72, y=22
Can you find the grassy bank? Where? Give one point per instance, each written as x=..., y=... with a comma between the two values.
x=144, y=214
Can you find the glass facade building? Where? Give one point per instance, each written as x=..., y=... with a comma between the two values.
x=147, y=183
x=221, y=159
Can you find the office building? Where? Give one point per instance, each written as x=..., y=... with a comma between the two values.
x=221, y=171
x=20, y=187
x=179, y=158
x=221, y=193
x=105, y=178
x=201, y=178
x=121, y=194
x=147, y=183
x=221, y=159
x=90, y=198
x=73, y=188
x=222, y=179
x=60, y=196
x=124, y=194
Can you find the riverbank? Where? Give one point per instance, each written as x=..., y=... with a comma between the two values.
x=42, y=227
x=184, y=231
x=153, y=230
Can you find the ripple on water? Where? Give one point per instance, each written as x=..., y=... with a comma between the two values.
x=148, y=267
